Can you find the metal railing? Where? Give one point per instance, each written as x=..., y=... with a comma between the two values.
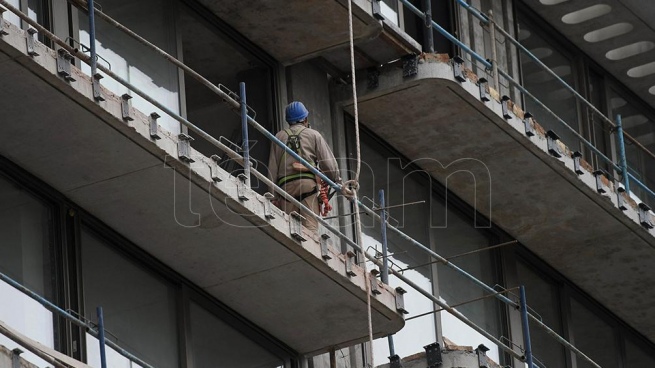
x=622, y=167
x=239, y=104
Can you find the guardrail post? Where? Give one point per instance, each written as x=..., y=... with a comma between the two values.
x=101, y=338
x=526, y=327
x=244, y=132
x=623, y=161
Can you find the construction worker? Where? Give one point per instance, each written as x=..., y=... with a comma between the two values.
x=291, y=175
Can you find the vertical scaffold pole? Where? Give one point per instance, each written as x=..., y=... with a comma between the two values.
x=101, y=337
x=384, y=274
x=623, y=161
x=244, y=132
x=526, y=328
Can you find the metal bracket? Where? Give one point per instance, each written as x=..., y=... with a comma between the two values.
x=576, y=162
x=64, y=60
x=95, y=85
x=375, y=288
x=644, y=216
x=599, y=182
x=349, y=264
x=15, y=358
x=377, y=11
x=184, y=147
x=30, y=42
x=268, y=206
x=433, y=355
x=394, y=362
x=551, y=140
x=126, y=112
x=458, y=69
x=484, y=95
x=527, y=123
x=213, y=167
x=154, y=133
x=325, y=240
x=373, y=77
x=400, y=300
x=2, y=22
x=410, y=65
x=242, y=181
x=504, y=103
x=295, y=226
x=481, y=350
x=620, y=201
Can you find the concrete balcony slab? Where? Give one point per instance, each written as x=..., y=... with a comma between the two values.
x=176, y=212
x=442, y=126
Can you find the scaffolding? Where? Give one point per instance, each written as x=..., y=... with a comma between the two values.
x=238, y=103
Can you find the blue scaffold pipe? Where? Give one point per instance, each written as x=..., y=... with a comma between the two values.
x=101, y=337
x=526, y=327
x=623, y=161
x=383, y=229
x=475, y=12
x=641, y=185
x=244, y=132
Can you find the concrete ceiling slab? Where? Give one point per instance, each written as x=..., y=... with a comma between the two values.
x=307, y=27
x=634, y=12
x=531, y=195
x=176, y=212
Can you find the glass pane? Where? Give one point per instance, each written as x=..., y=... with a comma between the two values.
x=25, y=253
x=11, y=17
x=542, y=298
x=637, y=357
x=454, y=235
x=139, y=308
x=641, y=127
x=212, y=54
x=401, y=186
x=134, y=62
x=215, y=344
x=547, y=88
x=593, y=337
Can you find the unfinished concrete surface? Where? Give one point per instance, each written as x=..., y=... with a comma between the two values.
x=175, y=211
x=488, y=161
x=296, y=30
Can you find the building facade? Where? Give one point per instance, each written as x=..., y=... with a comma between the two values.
x=115, y=197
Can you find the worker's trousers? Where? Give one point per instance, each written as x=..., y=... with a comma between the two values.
x=296, y=188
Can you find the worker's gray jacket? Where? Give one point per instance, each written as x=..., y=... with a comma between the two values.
x=314, y=149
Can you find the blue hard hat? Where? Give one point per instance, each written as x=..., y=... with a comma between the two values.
x=296, y=112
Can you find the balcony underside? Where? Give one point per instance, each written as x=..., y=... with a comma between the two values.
x=177, y=214
x=296, y=30
x=535, y=197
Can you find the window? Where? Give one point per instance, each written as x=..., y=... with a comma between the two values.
x=546, y=88
x=639, y=124
x=153, y=20
x=26, y=254
x=139, y=308
x=542, y=296
x=381, y=170
x=215, y=344
x=593, y=336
